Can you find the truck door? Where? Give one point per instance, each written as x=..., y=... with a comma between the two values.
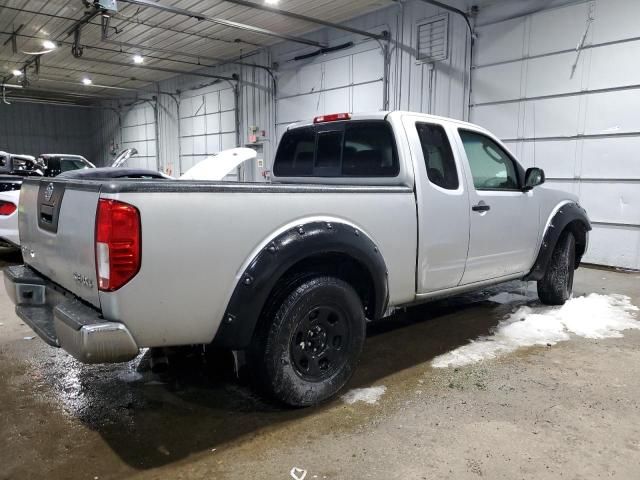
x=504, y=219
x=442, y=204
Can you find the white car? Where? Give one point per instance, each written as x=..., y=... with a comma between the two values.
x=12, y=168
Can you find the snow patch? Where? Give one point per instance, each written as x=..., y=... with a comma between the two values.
x=369, y=395
x=591, y=316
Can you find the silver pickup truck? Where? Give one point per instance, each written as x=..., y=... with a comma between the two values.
x=365, y=213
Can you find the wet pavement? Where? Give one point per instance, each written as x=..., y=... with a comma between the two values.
x=568, y=410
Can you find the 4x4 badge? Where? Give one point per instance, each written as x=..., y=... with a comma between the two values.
x=48, y=193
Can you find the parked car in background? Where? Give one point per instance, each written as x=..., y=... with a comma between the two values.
x=56, y=163
x=366, y=213
x=13, y=168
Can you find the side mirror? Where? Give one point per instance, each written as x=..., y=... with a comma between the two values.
x=532, y=178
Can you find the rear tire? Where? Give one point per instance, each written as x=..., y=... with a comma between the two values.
x=556, y=287
x=306, y=348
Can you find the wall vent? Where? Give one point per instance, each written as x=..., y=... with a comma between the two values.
x=433, y=39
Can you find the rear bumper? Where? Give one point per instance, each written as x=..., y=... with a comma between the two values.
x=62, y=320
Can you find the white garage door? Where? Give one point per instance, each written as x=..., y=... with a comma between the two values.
x=139, y=132
x=348, y=81
x=572, y=112
x=207, y=124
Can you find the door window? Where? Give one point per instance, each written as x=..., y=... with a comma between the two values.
x=491, y=167
x=438, y=156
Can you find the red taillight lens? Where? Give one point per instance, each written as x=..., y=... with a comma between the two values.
x=332, y=118
x=7, y=208
x=118, y=250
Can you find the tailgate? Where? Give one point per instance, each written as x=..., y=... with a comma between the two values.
x=57, y=229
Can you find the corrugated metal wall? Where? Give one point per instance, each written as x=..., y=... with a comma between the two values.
x=139, y=131
x=573, y=112
x=36, y=128
x=207, y=123
x=107, y=135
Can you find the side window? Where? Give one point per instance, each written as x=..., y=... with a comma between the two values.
x=438, y=156
x=492, y=168
x=295, y=154
x=369, y=150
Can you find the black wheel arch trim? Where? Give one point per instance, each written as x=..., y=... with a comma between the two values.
x=569, y=215
x=277, y=257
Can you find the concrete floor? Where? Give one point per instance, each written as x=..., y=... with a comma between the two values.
x=569, y=411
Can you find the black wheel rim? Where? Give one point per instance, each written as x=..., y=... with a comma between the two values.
x=320, y=343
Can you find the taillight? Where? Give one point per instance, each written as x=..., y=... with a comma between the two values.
x=118, y=249
x=332, y=118
x=7, y=208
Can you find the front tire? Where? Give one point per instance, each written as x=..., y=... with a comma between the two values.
x=556, y=287
x=307, y=348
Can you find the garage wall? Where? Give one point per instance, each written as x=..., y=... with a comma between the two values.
x=33, y=129
x=201, y=118
x=139, y=132
x=347, y=82
x=196, y=120
x=207, y=123
x=351, y=80
x=572, y=112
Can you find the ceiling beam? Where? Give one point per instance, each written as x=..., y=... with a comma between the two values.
x=131, y=21
x=158, y=69
x=180, y=54
x=317, y=21
x=226, y=23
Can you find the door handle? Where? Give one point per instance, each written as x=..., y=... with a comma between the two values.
x=481, y=207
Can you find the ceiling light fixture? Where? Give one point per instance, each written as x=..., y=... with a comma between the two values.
x=271, y=2
x=87, y=81
x=138, y=59
x=48, y=44
x=16, y=73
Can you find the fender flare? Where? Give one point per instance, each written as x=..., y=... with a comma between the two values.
x=283, y=252
x=569, y=215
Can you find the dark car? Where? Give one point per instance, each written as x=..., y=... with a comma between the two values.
x=54, y=164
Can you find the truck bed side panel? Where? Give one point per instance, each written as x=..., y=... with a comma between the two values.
x=195, y=245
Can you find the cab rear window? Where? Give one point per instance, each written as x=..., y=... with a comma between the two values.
x=364, y=148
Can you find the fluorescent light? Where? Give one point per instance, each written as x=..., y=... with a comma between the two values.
x=48, y=44
x=271, y=2
x=17, y=73
x=138, y=59
x=87, y=81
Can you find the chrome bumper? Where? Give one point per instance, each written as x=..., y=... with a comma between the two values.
x=62, y=320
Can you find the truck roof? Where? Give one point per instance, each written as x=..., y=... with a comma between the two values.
x=383, y=114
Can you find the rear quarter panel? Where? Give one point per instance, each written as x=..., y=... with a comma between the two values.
x=195, y=246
